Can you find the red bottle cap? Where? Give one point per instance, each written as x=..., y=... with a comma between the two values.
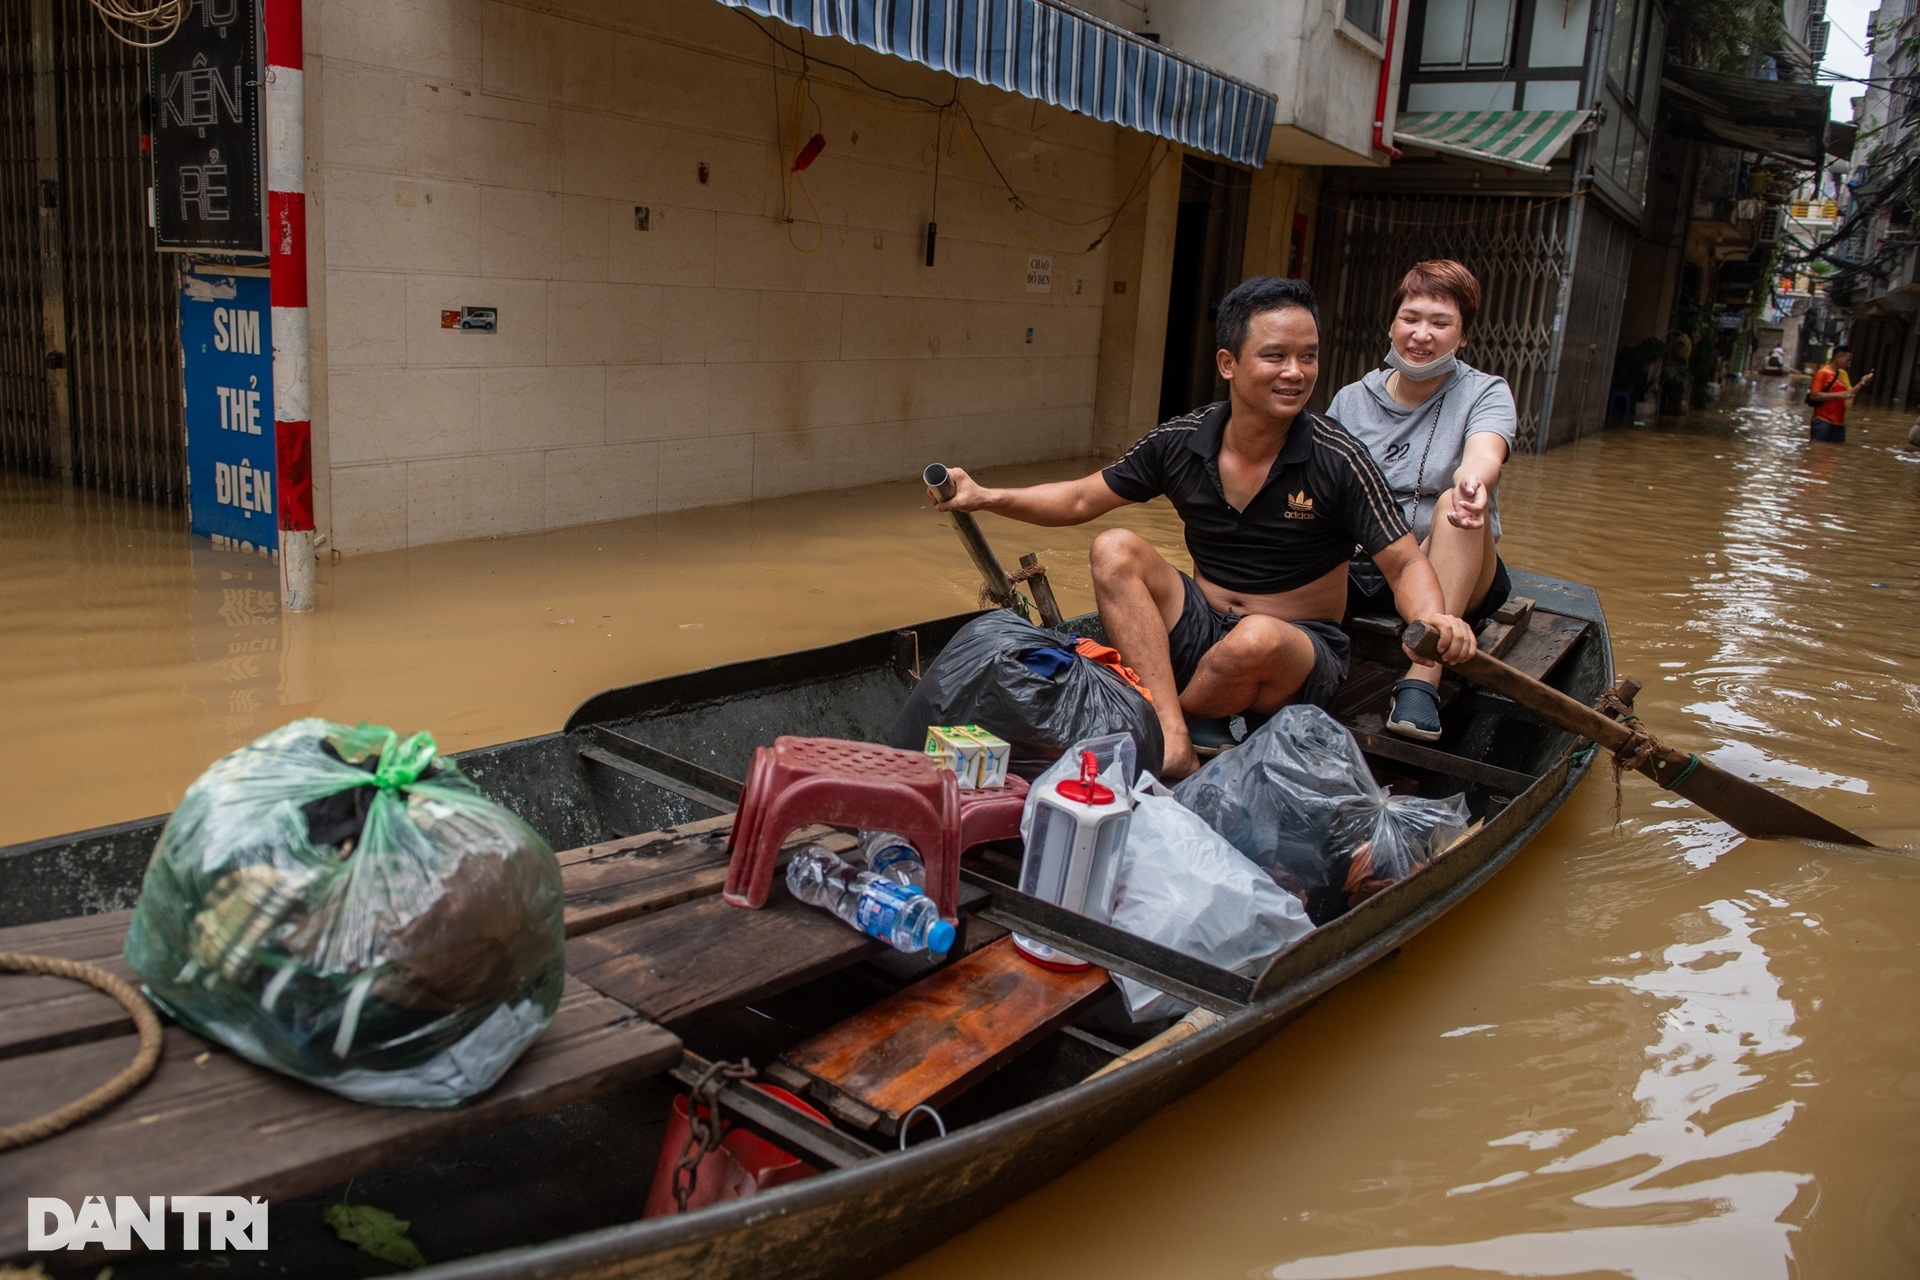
x=1086, y=789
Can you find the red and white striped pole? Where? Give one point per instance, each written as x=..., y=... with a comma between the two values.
x=287, y=287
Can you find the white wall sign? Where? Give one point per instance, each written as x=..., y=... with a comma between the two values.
x=1039, y=273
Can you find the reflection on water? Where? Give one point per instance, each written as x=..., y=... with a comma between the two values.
x=1727, y=1018
x=1581, y=1070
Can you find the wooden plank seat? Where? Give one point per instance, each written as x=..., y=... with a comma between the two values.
x=209, y=1123
x=265, y=1134
x=933, y=1040
x=706, y=955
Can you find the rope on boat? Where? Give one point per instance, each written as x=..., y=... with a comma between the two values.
x=1693, y=762
x=130, y=1077
x=1639, y=748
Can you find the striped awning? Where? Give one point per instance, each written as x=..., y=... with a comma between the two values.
x=1045, y=50
x=1515, y=139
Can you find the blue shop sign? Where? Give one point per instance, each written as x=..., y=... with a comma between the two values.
x=226, y=333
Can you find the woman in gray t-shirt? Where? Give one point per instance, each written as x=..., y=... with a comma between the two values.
x=1440, y=430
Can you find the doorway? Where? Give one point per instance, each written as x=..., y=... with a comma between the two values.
x=1209, y=245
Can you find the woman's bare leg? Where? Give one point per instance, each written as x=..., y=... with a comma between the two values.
x=1464, y=561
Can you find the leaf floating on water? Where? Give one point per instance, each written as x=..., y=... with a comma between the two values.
x=693, y=626
x=375, y=1232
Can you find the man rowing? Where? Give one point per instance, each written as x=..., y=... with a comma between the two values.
x=1273, y=499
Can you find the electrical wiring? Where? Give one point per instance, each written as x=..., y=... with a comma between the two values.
x=161, y=19
x=972, y=136
x=794, y=177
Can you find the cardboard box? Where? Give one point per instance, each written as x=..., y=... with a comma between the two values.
x=977, y=758
x=994, y=755
x=953, y=749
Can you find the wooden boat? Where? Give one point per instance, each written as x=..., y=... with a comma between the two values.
x=546, y=1175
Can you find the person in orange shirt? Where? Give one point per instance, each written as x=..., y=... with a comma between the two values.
x=1832, y=391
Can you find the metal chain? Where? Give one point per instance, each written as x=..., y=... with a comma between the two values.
x=1420, y=475
x=704, y=1127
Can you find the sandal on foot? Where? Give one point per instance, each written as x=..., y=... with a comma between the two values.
x=1416, y=711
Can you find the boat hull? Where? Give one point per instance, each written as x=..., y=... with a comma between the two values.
x=876, y=1215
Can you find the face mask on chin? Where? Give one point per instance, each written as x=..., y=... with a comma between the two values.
x=1438, y=367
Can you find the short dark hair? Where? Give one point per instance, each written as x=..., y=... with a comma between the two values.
x=1842, y=350
x=1234, y=318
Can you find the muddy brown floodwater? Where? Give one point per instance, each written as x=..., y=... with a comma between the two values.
x=1647, y=1049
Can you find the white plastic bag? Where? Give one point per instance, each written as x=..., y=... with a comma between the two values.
x=1183, y=886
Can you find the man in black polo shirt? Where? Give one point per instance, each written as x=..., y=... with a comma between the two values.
x=1274, y=500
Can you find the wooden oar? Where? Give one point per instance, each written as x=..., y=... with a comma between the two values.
x=1749, y=809
x=999, y=588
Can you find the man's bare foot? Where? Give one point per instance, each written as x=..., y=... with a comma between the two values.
x=1178, y=760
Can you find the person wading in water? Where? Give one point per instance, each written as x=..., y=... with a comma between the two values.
x=1441, y=430
x=1830, y=394
x=1274, y=499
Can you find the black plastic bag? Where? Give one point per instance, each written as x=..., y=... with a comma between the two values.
x=980, y=678
x=1297, y=798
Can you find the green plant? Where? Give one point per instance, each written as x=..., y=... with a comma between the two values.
x=1722, y=35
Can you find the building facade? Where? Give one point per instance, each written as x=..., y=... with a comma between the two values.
x=1883, y=297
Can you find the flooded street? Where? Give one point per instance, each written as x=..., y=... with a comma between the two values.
x=1647, y=1049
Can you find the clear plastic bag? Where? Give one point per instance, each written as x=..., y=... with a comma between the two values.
x=347, y=908
x=1119, y=766
x=1025, y=684
x=1183, y=886
x=1297, y=798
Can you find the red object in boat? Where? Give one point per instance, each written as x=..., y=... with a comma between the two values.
x=742, y=1164
x=1086, y=789
x=798, y=781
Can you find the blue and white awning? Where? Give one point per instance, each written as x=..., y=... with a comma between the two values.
x=1059, y=55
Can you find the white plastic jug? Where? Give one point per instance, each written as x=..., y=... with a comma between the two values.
x=1073, y=853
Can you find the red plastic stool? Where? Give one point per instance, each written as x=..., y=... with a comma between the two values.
x=992, y=814
x=799, y=781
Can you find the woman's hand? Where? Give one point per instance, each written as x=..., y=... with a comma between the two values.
x=1469, y=510
x=1456, y=640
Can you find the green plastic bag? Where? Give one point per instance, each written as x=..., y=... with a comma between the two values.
x=345, y=906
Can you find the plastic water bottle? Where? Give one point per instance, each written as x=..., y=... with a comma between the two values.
x=888, y=854
x=900, y=915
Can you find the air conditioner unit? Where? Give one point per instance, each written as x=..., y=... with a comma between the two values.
x=1767, y=229
x=1817, y=39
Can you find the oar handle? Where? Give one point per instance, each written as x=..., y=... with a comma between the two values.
x=1550, y=704
x=999, y=586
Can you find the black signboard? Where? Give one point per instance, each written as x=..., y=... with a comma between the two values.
x=209, y=103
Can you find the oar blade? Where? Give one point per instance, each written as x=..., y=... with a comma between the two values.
x=1754, y=811
x=1749, y=809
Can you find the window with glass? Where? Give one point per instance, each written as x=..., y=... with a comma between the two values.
x=1365, y=14
x=1626, y=22
x=1648, y=96
x=1463, y=34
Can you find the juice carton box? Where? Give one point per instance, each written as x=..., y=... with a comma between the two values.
x=953, y=749
x=994, y=755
